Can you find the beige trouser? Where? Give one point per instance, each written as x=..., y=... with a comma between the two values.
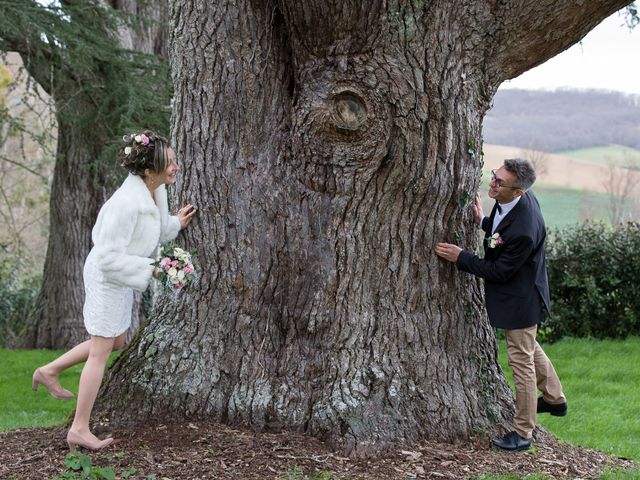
x=531, y=367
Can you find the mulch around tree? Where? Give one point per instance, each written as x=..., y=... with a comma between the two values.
x=201, y=450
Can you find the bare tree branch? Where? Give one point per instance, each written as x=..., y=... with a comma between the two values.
x=23, y=166
x=621, y=187
x=529, y=32
x=538, y=158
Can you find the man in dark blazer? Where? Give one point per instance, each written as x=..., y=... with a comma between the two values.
x=516, y=292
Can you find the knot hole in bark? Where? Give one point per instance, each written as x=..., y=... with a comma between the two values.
x=340, y=133
x=348, y=112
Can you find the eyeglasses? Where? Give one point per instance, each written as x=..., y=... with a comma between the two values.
x=500, y=183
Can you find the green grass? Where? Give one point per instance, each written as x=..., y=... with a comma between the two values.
x=562, y=206
x=605, y=154
x=608, y=475
x=22, y=407
x=621, y=475
x=601, y=381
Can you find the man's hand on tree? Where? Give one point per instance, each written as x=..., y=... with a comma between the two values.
x=448, y=251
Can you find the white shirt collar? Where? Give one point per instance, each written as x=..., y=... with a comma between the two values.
x=506, y=208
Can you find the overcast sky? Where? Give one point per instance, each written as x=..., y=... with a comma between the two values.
x=607, y=58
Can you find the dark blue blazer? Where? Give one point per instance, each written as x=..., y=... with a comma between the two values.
x=514, y=272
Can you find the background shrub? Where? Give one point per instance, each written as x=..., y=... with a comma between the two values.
x=18, y=290
x=594, y=270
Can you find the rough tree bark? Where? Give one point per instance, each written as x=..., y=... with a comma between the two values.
x=78, y=190
x=329, y=146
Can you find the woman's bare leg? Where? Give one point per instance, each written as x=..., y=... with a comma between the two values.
x=75, y=356
x=47, y=375
x=90, y=380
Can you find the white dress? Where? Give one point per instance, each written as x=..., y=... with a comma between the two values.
x=126, y=234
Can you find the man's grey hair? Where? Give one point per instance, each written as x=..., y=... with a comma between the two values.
x=523, y=170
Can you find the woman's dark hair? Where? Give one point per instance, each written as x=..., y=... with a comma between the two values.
x=143, y=150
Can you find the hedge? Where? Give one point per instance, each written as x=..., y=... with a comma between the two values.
x=594, y=272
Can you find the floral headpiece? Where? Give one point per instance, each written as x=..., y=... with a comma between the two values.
x=139, y=138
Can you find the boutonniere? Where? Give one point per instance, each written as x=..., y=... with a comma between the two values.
x=494, y=240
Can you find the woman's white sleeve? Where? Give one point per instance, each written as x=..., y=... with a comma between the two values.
x=170, y=228
x=169, y=224
x=114, y=235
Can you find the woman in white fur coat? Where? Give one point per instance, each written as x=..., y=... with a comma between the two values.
x=129, y=228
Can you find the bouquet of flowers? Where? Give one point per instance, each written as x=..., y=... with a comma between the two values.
x=175, y=268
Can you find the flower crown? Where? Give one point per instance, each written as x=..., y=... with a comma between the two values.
x=139, y=138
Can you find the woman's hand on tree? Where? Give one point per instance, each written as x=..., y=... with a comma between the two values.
x=185, y=215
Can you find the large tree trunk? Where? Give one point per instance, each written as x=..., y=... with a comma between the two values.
x=150, y=34
x=329, y=146
x=75, y=201
x=80, y=187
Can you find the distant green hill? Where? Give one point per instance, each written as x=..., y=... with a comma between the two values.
x=616, y=154
x=594, y=126
x=559, y=120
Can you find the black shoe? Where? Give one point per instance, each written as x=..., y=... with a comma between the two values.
x=559, y=410
x=512, y=442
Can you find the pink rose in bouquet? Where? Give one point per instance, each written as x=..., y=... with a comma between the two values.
x=176, y=270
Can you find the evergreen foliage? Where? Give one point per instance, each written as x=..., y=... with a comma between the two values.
x=593, y=276
x=18, y=292
x=72, y=51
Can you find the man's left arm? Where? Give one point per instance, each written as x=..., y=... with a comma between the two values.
x=513, y=255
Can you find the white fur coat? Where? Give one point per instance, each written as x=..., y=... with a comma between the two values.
x=127, y=232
